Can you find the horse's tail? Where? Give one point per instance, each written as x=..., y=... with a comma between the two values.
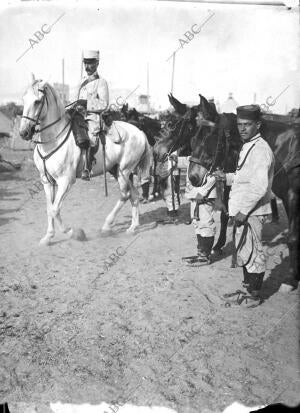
x=145, y=162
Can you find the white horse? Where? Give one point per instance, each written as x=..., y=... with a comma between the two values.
x=59, y=159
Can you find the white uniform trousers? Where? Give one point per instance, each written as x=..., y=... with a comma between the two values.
x=205, y=226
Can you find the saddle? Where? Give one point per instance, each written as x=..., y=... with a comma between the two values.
x=79, y=128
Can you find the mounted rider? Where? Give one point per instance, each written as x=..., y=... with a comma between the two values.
x=93, y=96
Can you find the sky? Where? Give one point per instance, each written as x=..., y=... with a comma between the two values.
x=241, y=49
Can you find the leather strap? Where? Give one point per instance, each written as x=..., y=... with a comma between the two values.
x=95, y=76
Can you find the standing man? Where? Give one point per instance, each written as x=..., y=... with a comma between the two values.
x=249, y=203
x=93, y=96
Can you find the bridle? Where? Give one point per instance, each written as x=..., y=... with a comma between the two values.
x=37, y=120
x=197, y=161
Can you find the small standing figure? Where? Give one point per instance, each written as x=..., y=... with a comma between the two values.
x=93, y=96
x=249, y=204
x=202, y=212
x=202, y=209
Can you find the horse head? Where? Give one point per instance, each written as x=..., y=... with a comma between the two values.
x=174, y=135
x=215, y=146
x=41, y=105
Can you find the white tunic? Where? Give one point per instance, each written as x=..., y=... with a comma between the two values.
x=251, y=183
x=96, y=94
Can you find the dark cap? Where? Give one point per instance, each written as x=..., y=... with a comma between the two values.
x=251, y=112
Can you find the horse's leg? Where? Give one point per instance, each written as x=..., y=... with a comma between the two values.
x=49, y=192
x=134, y=199
x=217, y=249
x=123, y=180
x=63, y=187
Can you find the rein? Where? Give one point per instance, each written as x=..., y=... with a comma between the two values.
x=49, y=177
x=241, y=243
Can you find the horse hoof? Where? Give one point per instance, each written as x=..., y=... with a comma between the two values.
x=78, y=234
x=131, y=230
x=45, y=241
x=105, y=232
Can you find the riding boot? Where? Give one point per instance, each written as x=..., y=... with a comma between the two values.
x=86, y=169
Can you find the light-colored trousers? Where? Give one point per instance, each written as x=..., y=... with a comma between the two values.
x=205, y=226
x=94, y=126
x=252, y=247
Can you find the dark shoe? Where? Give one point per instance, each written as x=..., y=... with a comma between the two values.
x=252, y=300
x=86, y=175
x=188, y=222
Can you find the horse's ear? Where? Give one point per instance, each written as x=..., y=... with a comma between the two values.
x=32, y=78
x=42, y=84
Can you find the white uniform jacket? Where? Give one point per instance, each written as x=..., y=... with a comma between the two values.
x=95, y=92
x=251, y=183
x=97, y=96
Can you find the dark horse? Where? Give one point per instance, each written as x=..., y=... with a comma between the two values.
x=218, y=147
x=216, y=144
x=151, y=127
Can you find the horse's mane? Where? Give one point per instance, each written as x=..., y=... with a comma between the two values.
x=50, y=91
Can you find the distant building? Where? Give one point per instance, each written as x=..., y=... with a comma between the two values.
x=230, y=105
x=63, y=91
x=143, y=104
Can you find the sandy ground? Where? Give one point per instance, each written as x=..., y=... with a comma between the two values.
x=147, y=330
